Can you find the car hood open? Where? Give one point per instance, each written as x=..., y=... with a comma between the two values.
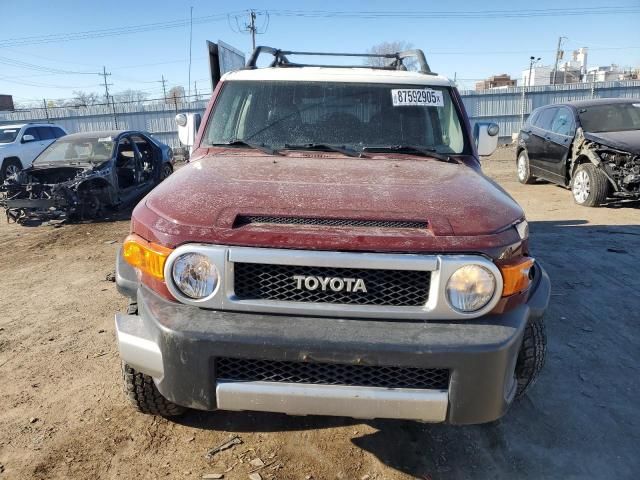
x=202, y=201
x=625, y=140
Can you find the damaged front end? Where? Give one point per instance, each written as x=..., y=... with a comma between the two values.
x=622, y=168
x=56, y=193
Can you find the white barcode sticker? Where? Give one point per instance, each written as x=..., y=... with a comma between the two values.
x=416, y=97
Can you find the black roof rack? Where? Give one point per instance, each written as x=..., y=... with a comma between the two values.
x=280, y=59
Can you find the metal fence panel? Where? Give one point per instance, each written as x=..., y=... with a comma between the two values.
x=508, y=107
x=157, y=119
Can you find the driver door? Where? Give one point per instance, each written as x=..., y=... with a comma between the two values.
x=31, y=149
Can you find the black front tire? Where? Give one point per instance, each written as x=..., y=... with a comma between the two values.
x=166, y=171
x=597, y=187
x=144, y=395
x=522, y=169
x=8, y=167
x=142, y=391
x=531, y=356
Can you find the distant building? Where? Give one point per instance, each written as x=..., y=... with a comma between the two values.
x=571, y=71
x=496, y=81
x=6, y=103
x=574, y=70
x=540, y=75
x=610, y=73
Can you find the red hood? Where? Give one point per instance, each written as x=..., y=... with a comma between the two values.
x=200, y=202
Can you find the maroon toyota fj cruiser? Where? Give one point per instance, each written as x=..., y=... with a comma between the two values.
x=332, y=248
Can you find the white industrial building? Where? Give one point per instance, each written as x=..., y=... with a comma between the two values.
x=571, y=71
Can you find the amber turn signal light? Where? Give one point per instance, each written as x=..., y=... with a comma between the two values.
x=147, y=257
x=516, y=276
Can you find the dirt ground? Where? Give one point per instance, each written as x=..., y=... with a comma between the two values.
x=63, y=414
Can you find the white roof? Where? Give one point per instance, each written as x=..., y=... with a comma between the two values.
x=330, y=74
x=15, y=125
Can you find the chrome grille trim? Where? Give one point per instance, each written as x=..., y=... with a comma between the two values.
x=436, y=307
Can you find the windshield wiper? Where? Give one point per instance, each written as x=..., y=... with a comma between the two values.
x=426, y=151
x=241, y=143
x=350, y=152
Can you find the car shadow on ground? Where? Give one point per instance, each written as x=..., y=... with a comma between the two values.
x=622, y=203
x=550, y=433
x=612, y=202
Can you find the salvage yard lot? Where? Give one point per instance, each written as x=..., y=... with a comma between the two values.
x=64, y=415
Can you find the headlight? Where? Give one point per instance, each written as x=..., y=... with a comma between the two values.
x=470, y=288
x=195, y=275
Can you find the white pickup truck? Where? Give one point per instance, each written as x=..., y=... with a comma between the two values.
x=20, y=144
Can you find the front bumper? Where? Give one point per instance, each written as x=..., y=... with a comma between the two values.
x=178, y=346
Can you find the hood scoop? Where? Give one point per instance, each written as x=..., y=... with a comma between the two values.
x=244, y=220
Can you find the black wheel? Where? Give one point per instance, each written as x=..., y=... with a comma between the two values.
x=531, y=356
x=142, y=391
x=590, y=187
x=9, y=168
x=144, y=395
x=166, y=171
x=524, y=172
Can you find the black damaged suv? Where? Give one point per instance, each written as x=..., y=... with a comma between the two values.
x=590, y=146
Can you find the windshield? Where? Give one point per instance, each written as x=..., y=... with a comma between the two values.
x=614, y=117
x=353, y=115
x=8, y=135
x=89, y=150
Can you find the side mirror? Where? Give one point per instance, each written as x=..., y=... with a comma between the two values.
x=28, y=138
x=486, y=135
x=181, y=119
x=188, y=124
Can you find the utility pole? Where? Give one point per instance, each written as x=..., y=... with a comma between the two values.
x=104, y=74
x=558, y=57
x=252, y=28
x=46, y=110
x=106, y=94
x=190, y=39
x=164, y=88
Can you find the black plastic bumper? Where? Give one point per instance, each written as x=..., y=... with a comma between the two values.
x=480, y=354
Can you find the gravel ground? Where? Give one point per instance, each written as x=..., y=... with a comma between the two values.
x=64, y=415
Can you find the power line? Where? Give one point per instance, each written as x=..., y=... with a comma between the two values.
x=41, y=68
x=434, y=14
x=108, y=32
x=44, y=85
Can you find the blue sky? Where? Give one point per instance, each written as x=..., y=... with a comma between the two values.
x=467, y=48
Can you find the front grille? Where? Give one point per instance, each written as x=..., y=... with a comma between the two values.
x=249, y=370
x=243, y=220
x=399, y=288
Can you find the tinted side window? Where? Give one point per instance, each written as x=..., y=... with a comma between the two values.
x=533, y=117
x=46, y=133
x=545, y=119
x=563, y=122
x=58, y=132
x=32, y=131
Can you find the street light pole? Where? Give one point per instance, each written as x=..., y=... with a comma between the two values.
x=532, y=61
